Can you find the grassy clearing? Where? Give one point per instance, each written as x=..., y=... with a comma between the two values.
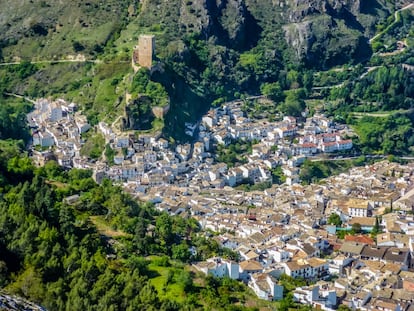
x=167, y=283
x=104, y=228
x=57, y=184
x=128, y=38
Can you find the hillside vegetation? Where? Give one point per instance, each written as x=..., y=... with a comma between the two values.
x=207, y=52
x=54, y=29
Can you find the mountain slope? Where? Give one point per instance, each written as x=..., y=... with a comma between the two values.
x=316, y=27
x=210, y=51
x=55, y=28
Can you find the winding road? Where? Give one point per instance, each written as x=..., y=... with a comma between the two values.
x=368, y=70
x=395, y=20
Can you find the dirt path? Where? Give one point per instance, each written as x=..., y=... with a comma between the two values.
x=96, y=61
x=21, y=96
x=377, y=114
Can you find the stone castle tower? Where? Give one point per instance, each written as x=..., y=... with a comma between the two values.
x=144, y=52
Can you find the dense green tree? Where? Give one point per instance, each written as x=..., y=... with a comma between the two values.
x=13, y=120
x=3, y=273
x=286, y=303
x=273, y=91
x=311, y=171
x=344, y=308
x=335, y=219
x=294, y=104
x=186, y=280
x=389, y=135
x=356, y=228
x=308, y=81
x=376, y=229
x=293, y=79
x=181, y=252
x=77, y=46
x=164, y=231
x=141, y=240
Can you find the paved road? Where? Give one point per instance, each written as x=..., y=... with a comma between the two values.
x=395, y=20
x=368, y=70
x=318, y=88
x=340, y=158
x=369, y=156
x=332, y=159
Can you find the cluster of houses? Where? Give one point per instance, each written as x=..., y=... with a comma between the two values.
x=318, y=134
x=280, y=230
x=57, y=125
x=143, y=161
x=285, y=230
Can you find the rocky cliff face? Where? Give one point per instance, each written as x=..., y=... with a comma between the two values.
x=303, y=8
x=327, y=31
x=314, y=29
x=55, y=28
x=227, y=22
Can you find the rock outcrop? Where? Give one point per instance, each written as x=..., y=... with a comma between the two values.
x=228, y=22
x=326, y=32
x=331, y=31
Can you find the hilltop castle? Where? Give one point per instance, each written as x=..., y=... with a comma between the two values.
x=144, y=52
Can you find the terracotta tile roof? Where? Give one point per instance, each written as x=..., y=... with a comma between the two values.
x=374, y=266
x=315, y=262
x=251, y=255
x=392, y=267
x=352, y=248
x=363, y=221
x=308, y=145
x=295, y=266
x=250, y=265
x=308, y=249
x=360, y=239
